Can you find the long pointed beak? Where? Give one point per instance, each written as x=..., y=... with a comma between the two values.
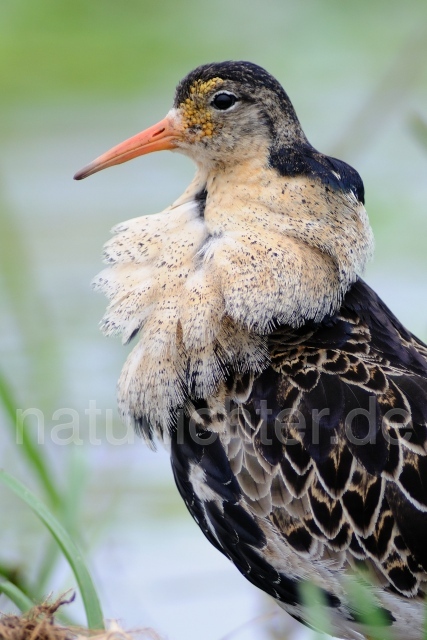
x=163, y=135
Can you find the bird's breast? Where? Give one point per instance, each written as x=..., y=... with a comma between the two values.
x=203, y=282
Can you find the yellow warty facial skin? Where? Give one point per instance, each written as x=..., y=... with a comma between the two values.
x=194, y=110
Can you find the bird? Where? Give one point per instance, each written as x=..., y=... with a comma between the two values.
x=292, y=401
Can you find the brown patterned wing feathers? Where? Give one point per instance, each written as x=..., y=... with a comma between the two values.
x=358, y=386
x=319, y=459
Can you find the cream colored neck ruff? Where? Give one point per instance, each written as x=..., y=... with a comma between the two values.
x=203, y=288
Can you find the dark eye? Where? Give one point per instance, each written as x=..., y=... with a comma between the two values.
x=223, y=101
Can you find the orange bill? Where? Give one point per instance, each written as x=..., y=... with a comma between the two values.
x=163, y=135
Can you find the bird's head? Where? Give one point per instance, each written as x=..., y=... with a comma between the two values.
x=222, y=113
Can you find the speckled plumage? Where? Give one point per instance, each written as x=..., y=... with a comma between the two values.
x=292, y=400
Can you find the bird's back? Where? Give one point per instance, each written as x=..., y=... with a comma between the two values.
x=317, y=467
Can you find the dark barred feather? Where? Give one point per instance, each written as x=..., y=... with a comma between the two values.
x=321, y=458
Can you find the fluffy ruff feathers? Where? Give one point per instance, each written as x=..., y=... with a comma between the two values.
x=204, y=282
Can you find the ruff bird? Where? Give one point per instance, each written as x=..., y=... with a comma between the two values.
x=293, y=402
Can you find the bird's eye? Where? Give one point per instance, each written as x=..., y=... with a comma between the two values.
x=224, y=101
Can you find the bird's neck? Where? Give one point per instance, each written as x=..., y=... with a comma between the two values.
x=206, y=280
x=290, y=247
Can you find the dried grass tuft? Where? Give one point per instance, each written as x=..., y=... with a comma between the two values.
x=39, y=624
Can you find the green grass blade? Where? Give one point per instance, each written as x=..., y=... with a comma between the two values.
x=68, y=514
x=317, y=608
x=69, y=549
x=30, y=450
x=367, y=609
x=18, y=597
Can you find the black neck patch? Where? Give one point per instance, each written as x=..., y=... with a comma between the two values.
x=200, y=198
x=304, y=160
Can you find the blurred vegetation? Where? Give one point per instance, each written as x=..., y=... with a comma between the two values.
x=11, y=589
x=72, y=72
x=419, y=129
x=50, y=49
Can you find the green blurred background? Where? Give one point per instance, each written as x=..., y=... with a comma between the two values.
x=75, y=79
